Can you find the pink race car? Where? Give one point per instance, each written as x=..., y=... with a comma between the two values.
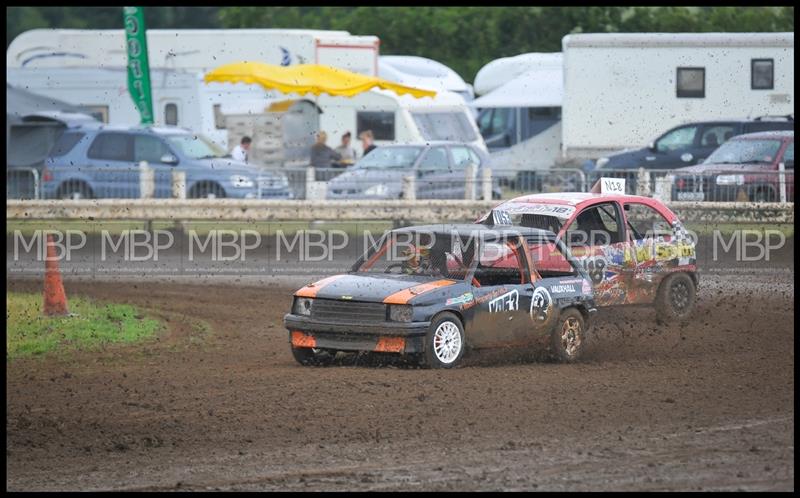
x=634, y=248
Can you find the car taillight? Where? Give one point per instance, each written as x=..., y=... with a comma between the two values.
x=47, y=175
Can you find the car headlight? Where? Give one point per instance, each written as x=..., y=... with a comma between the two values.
x=730, y=180
x=400, y=312
x=241, y=181
x=302, y=306
x=379, y=189
x=600, y=162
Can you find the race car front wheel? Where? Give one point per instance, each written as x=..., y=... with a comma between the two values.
x=444, y=342
x=568, y=339
x=313, y=356
x=675, y=298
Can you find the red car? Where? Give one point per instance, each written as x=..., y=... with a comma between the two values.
x=634, y=248
x=745, y=168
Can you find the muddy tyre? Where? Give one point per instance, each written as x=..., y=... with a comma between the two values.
x=312, y=357
x=675, y=299
x=568, y=339
x=444, y=342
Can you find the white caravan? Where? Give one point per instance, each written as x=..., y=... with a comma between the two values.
x=520, y=111
x=622, y=90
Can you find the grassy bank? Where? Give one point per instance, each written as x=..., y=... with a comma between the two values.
x=29, y=333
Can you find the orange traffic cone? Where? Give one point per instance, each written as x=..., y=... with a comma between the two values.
x=55, y=300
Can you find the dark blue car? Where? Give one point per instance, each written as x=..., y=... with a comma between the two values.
x=103, y=162
x=689, y=144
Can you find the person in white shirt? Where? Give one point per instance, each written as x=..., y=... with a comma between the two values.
x=239, y=152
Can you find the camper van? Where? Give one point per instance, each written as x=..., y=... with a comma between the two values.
x=621, y=90
x=520, y=111
x=291, y=124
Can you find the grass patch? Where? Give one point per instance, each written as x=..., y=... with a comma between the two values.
x=29, y=333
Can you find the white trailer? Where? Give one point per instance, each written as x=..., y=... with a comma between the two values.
x=197, y=50
x=622, y=90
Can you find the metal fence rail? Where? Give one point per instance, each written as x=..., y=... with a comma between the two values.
x=22, y=183
x=467, y=183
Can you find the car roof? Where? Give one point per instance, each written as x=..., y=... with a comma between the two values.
x=159, y=130
x=429, y=143
x=575, y=198
x=476, y=230
x=765, y=134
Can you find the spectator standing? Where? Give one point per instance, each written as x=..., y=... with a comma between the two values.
x=323, y=156
x=367, y=141
x=240, y=152
x=347, y=153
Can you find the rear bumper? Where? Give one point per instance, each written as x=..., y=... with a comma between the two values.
x=389, y=337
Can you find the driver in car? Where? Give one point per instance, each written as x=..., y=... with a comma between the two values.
x=418, y=261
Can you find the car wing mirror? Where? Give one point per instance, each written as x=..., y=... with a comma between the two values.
x=652, y=146
x=169, y=159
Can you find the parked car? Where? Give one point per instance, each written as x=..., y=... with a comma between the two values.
x=439, y=170
x=103, y=162
x=746, y=168
x=689, y=144
x=434, y=292
x=634, y=248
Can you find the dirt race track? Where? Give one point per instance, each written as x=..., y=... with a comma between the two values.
x=707, y=406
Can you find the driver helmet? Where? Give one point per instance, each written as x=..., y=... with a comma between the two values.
x=418, y=259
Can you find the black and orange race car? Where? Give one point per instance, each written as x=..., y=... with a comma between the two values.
x=433, y=292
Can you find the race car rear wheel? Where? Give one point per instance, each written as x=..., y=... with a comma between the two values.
x=313, y=356
x=444, y=342
x=568, y=339
x=675, y=298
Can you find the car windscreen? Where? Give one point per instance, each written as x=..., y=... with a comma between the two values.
x=454, y=126
x=422, y=254
x=390, y=158
x=745, y=152
x=196, y=146
x=531, y=215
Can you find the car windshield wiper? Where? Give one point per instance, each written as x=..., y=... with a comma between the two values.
x=211, y=156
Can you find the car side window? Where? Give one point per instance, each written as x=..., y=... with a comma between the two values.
x=499, y=264
x=596, y=225
x=150, y=149
x=646, y=222
x=788, y=156
x=112, y=146
x=678, y=139
x=462, y=156
x=714, y=136
x=435, y=160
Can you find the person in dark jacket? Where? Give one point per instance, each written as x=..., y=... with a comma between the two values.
x=323, y=156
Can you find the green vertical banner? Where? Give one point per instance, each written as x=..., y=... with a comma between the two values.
x=138, y=65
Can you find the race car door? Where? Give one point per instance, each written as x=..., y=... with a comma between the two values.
x=502, y=295
x=599, y=241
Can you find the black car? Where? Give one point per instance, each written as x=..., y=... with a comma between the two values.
x=689, y=144
x=422, y=292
